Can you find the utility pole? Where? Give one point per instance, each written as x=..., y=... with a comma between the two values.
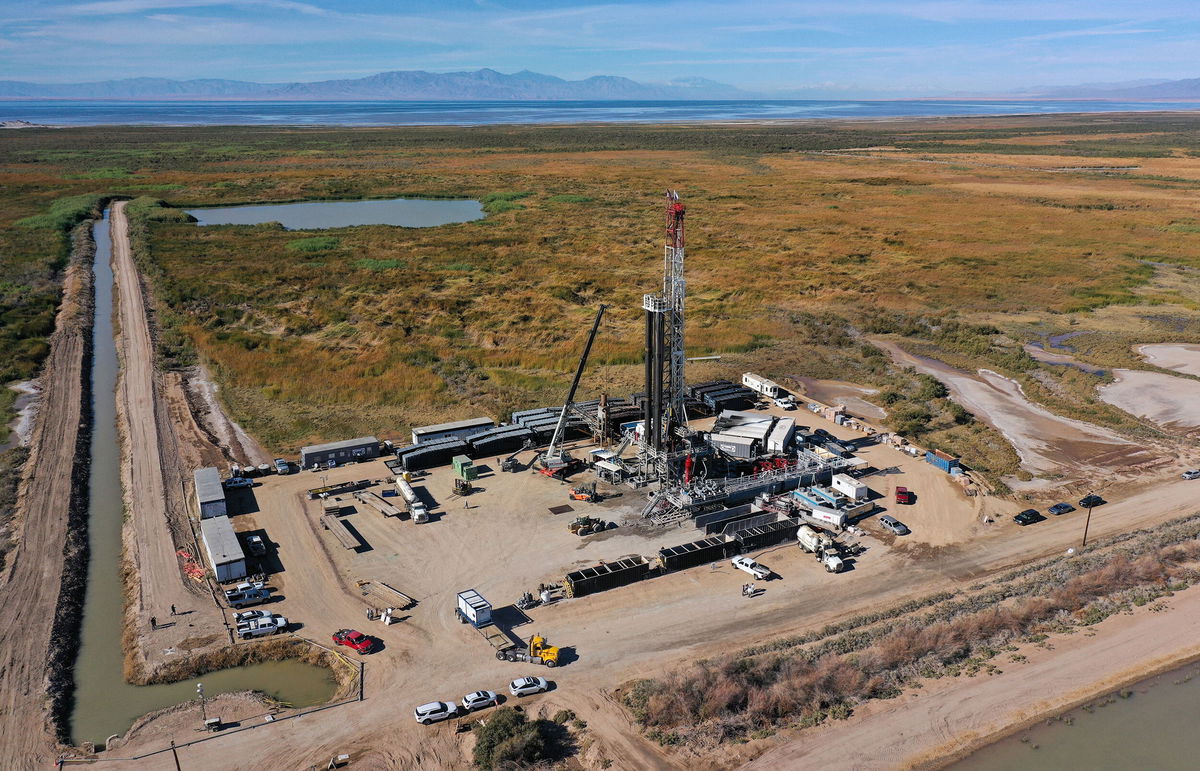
x=175, y=755
x=361, y=671
x=203, y=713
x=1088, y=522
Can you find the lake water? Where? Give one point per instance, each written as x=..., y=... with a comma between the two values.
x=104, y=703
x=316, y=215
x=184, y=113
x=1153, y=727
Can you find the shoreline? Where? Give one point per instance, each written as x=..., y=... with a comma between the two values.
x=1167, y=667
x=945, y=722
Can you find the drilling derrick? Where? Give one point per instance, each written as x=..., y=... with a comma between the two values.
x=665, y=357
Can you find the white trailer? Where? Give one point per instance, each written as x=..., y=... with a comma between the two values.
x=761, y=385
x=850, y=487
x=224, y=550
x=781, y=436
x=474, y=609
x=824, y=516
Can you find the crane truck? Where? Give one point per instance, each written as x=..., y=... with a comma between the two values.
x=473, y=609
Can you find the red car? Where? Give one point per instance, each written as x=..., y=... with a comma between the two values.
x=903, y=495
x=354, y=639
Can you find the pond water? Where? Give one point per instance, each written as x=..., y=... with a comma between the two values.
x=1150, y=725
x=104, y=703
x=318, y=215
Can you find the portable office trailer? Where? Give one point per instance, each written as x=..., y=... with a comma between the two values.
x=850, y=487
x=606, y=575
x=224, y=551
x=459, y=429
x=210, y=494
x=346, y=451
x=689, y=555
x=761, y=385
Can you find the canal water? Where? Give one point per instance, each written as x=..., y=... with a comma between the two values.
x=318, y=215
x=104, y=703
x=1151, y=725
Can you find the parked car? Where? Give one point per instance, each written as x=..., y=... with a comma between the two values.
x=355, y=640
x=1061, y=508
x=904, y=495
x=1091, y=501
x=262, y=627
x=527, y=686
x=243, y=616
x=1193, y=474
x=894, y=525
x=435, y=711
x=746, y=564
x=479, y=700
x=1027, y=517
x=246, y=594
x=256, y=545
x=282, y=466
x=235, y=482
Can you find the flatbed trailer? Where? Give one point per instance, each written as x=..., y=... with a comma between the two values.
x=379, y=504
x=338, y=528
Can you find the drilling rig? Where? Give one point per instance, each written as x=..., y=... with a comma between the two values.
x=665, y=437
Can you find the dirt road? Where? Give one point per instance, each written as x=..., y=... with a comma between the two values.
x=31, y=583
x=157, y=523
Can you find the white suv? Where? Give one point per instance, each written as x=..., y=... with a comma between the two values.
x=527, y=686
x=435, y=711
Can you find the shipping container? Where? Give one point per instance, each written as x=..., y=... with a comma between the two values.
x=737, y=447
x=941, y=460
x=606, y=575
x=697, y=391
x=689, y=555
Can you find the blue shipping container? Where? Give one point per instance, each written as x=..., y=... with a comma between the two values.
x=942, y=463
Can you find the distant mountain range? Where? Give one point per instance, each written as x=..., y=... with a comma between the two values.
x=417, y=85
x=1132, y=90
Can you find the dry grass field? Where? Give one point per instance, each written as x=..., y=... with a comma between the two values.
x=966, y=237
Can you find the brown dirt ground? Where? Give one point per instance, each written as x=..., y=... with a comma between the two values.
x=33, y=576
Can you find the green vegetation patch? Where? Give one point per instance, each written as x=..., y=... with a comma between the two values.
x=65, y=213
x=497, y=203
x=314, y=244
x=370, y=264
x=510, y=740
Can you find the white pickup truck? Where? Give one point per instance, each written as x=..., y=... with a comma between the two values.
x=744, y=563
x=261, y=627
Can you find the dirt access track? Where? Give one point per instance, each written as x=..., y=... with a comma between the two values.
x=29, y=588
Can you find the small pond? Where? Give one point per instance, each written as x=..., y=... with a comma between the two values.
x=318, y=215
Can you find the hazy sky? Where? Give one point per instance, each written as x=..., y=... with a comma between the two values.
x=850, y=47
